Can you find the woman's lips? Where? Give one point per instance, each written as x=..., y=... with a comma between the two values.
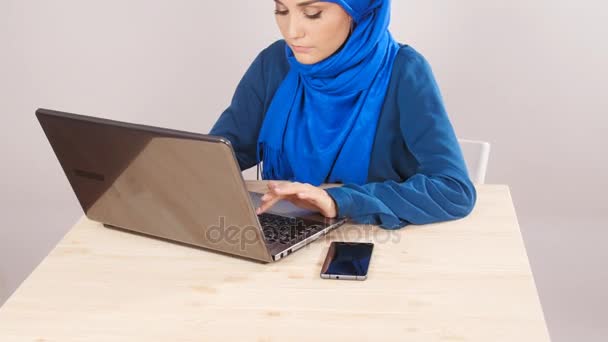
x=301, y=49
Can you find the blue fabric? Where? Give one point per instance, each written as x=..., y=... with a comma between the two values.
x=325, y=114
x=416, y=173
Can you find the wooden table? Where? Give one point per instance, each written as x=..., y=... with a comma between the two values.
x=466, y=280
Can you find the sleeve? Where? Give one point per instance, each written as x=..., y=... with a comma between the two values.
x=440, y=188
x=240, y=123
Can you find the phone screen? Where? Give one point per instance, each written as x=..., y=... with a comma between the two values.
x=347, y=260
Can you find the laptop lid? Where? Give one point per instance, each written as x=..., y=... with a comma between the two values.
x=175, y=185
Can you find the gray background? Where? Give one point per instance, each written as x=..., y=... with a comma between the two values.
x=527, y=75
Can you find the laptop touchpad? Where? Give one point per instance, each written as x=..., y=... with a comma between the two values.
x=285, y=208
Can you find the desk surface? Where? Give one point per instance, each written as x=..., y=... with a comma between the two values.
x=465, y=280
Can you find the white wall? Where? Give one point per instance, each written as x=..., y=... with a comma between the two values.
x=528, y=76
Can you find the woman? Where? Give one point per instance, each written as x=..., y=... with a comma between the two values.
x=339, y=101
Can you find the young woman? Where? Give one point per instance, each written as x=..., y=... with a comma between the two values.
x=338, y=100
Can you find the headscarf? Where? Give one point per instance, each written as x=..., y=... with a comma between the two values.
x=321, y=123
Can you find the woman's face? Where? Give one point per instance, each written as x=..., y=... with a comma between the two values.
x=314, y=30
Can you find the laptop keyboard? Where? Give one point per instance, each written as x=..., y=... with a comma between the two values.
x=287, y=230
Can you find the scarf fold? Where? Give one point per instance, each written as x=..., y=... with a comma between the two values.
x=321, y=123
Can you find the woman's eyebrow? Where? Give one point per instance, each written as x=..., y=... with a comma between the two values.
x=301, y=4
x=306, y=3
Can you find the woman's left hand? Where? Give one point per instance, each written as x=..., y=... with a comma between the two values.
x=305, y=196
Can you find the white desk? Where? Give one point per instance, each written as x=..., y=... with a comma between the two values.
x=466, y=280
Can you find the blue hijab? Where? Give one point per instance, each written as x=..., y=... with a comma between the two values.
x=321, y=123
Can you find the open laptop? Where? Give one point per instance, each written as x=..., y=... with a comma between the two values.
x=179, y=186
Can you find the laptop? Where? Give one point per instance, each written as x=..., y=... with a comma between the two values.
x=178, y=186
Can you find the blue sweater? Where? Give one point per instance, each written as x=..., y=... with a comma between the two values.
x=416, y=173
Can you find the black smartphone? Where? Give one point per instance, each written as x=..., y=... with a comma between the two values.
x=347, y=260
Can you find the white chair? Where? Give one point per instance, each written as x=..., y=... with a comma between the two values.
x=476, y=154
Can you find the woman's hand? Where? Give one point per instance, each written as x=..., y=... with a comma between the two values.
x=305, y=196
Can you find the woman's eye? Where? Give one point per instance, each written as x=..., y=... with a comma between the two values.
x=309, y=16
x=314, y=16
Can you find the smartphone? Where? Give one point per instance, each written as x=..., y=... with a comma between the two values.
x=347, y=260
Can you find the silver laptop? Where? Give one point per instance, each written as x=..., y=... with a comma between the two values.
x=174, y=185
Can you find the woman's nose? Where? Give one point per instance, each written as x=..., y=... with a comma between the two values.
x=294, y=29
